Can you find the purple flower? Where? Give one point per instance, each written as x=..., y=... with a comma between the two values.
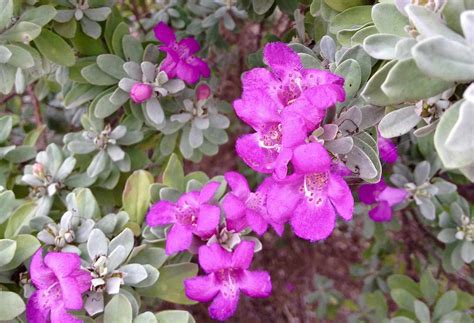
x=244, y=208
x=307, y=92
x=141, y=92
x=203, y=92
x=387, y=149
x=60, y=282
x=269, y=149
x=191, y=214
x=180, y=60
x=227, y=276
x=384, y=197
x=311, y=196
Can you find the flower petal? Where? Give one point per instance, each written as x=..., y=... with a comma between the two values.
x=311, y=158
x=259, y=159
x=259, y=80
x=388, y=150
x=283, y=197
x=255, y=283
x=41, y=275
x=62, y=263
x=341, y=196
x=201, y=288
x=179, y=238
x=224, y=305
x=238, y=184
x=281, y=58
x=161, y=213
x=208, y=191
x=59, y=314
x=382, y=212
x=313, y=222
x=164, y=33
x=368, y=193
x=243, y=254
x=187, y=72
x=208, y=220
x=293, y=129
x=281, y=163
x=393, y=195
x=36, y=312
x=71, y=294
x=233, y=207
x=190, y=45
x=257, y=222
x=213, y=258
x=169, y=65
x=314, y=77
x=257, y=110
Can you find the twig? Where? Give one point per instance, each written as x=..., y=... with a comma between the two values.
x=37, y=113
x=136, y=13
x=8, y=97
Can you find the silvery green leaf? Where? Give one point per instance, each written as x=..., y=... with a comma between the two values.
x=132, y=137
x=389, y=20
x=79, y=180
x=426, y=130
x=467, y=24
x=134, y=274
x=12, y=304
x=444, y=187
x=216, y=136
x=422, y=171
x=126, y=84
x=154, y=111
x=98, y=164
x=146, y=317
x=399, y=122
x=447, y=235
x=31, y=180
x=21, y=57
x=115, y=152
x=405, y=82
x=182, y=117
x=98, y=14
x=7, y=75
x=208, y=148
x=133, y=70
x=149, y=71
x=427, y=208
x=467, y=251
x=20, y=82
x=78, y=14
x=125, y=164
x=169, y=194
x=97, y=244
x=132, y=48
x=116, y=257
x=119, y=97
x=111, y=64
x=83, y=232
x=118, y=132
x=174, y=85
x=81, y=147
x=66, y=168
x=229, y=23
x=91, y=28
x=94, y=303
x=63, y=16
x=422, y=311
x=125, y=239
x=204, y=122
x=219, y=13
x=359, y=163
x=351, y=71
x=193, y=185
x=461, y=137
x=428, y=23
x=168, y=143
x=469, y=93
x=404, y=47
x=340, y=146
x=468, y=171
x=328, y=48
x=152, y=276
x=445, y=59
x=118, y=309
x=382, y=46
x=5, y=54
x=358, y=54
x=6, y=124
x=112, y=222
x=209, y=21
x=7, y=251
x=196, y=137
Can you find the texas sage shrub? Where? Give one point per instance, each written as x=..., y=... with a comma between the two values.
x=355, y=110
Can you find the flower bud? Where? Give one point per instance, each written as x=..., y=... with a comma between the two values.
x=141, y=92
x=203, y=91
x=38, y=170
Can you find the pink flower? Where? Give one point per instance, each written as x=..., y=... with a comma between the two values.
x=269, y=149
x=60, y=282
x=192, y=214
x=180, y=60
x=387, y=149
x=244, y=208
x=141, y=92
x=227, y=276
x=383, y=197
x=311, y=196
x=307, y=92
x=203, y=92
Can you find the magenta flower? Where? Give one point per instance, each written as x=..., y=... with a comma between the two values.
x=387, y=149
x=384, y=197
x=269, y=150
x=311, y=196
x=227, y=276
x=244, y=208
x=180, y=60
x=141, y=92
x=60, y=282
x=191, y=214
x=307, y=92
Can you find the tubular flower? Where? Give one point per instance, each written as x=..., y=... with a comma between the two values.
x=180, y=60
x=60, y=282
x=387, y=149
x=190, y=215
x=227, y=276
x=311, y=196
x=383, y=197
x=244, y=208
